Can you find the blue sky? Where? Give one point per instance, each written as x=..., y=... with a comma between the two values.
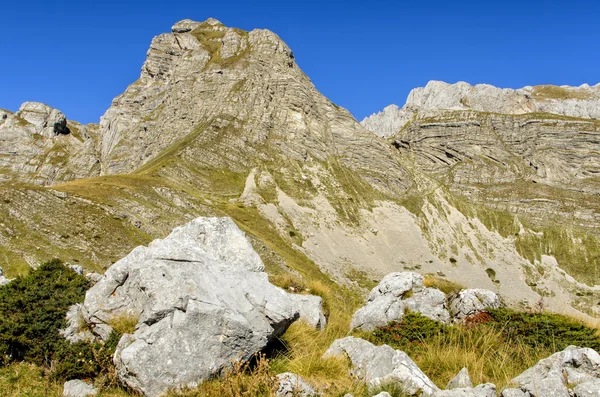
x=78, y=55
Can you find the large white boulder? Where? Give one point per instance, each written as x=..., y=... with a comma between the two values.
x=396, y=293
x=381, y=366
x=200, y=301
x=78, y=388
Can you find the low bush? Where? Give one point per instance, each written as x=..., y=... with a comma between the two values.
x=32, y=310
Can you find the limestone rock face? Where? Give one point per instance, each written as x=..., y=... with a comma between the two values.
x=381, y=365
x=484, y=390
x=438, y=96
x=222, y=97
x=553, y=376
x=199, y=300
x=588, y=389
x=38, y=145
x=396, y=293
x=469, y=302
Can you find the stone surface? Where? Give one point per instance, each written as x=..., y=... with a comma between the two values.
x=460, y=381
x=513, y=392
x=292, y=385
x=587, y=389
x=200, y=301
x=3, y=279
x=552, y=376
x=383, y=394
x=469, y=302
x=396, y=293
x=381, y=366
x=484, y=390
x=311, y=309
x=78, y=388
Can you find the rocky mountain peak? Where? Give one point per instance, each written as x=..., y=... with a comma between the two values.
x=438, y=96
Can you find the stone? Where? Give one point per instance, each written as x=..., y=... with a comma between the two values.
x=93, y=277
x=383, y=394
x=48, y=121
x=588, y=389
x=469, y=302
x=311, y=309
x=513, y=392
x=292, y=385
x=381, y=366
x=78, y=388
x=552, y=376
x=76, y=268
x=396, y=293
x=199, y=300
x=3, y=279
x=484, y=390
x=184, y=26
x=461, y=380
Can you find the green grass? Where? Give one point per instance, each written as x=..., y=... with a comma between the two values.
x=555, y=92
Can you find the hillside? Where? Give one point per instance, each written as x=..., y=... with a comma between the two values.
x=223, y=122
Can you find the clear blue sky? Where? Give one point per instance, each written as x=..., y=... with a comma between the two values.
x=78, y=55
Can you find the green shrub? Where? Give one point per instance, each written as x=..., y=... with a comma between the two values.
x=544, y=329
x=33, y=309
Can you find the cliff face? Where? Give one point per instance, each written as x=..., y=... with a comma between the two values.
x=437, y=96
x=223, y=122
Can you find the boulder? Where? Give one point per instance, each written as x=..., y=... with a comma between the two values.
x=199, y=300
x=553, y=376
x=3, y=279
x=396, y=293
x=461, y=380
x=588, y=389
x=484, y=390
x=78, y=388
x=292, y=385
x=76, y=268
x=383, y=394
x=381, y=366
x=311, y=309
x=469, y=302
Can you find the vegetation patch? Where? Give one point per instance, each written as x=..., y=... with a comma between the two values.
x=494, y=346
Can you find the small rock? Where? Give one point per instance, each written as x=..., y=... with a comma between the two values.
x=3, y=279
x=292, y=385
x=383, y=394
x=484, y=390
x=311, y=309
x=461, y=380
x=76, y=268
x=78, y=388
x=93, y=277
x=381, y=366
x=469, y=302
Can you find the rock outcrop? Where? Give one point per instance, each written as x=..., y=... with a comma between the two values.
x=460, y=381
x=199, y=300
x=556, y=375
x=484, y=390
x=469, y=302
x=382, y=366
x=396, y=293
x=311, y=309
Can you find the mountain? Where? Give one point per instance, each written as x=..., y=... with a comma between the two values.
x=223, y=122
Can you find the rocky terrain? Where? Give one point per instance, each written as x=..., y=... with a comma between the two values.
x=490, y=188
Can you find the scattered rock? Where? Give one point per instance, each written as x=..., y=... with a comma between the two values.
x=292, y=385
x=383, y=394
x=552, y=376
x=484, y=390
x=78, y=388
x=76, y=268
x=461, y=380
x=469, y=302
x=311, y=309
x=382, y=366
x=199, y=300
x=395, y=293
x=3, y=279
